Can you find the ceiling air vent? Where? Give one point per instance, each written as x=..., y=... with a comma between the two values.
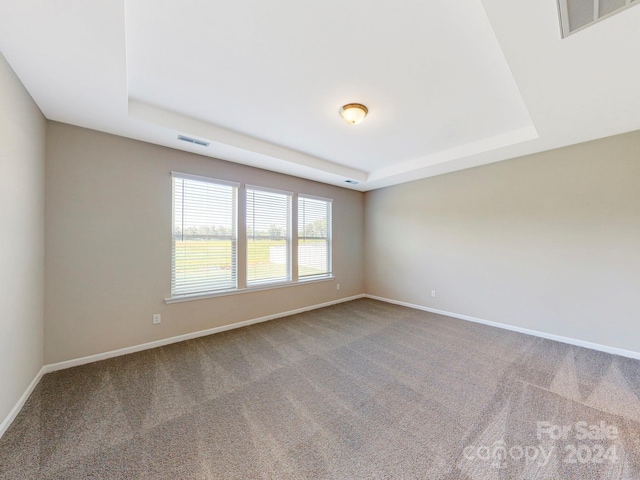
x=352, y=182
x=193, y=140
x=578, y=14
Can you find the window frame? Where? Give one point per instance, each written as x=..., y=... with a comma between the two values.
x=241, y=239
x=288, y=279
x=234, y=258
x=329, y=273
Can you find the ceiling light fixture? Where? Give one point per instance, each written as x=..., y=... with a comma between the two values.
x=353, y=113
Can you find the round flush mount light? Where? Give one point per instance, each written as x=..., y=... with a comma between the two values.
x=353, y=113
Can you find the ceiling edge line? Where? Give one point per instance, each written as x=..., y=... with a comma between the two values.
x=467, y=150
x=184, y=124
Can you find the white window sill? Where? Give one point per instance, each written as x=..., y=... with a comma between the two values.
x=237, y=291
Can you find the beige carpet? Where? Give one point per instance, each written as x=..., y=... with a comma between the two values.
x=358, y=390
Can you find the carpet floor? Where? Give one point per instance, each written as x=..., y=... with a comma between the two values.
x=358, y=390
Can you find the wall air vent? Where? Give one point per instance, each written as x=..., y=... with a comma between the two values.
x=193, y=140
x=352, y=182
x=578, y=14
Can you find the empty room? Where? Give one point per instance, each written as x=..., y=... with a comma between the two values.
x=320, y=240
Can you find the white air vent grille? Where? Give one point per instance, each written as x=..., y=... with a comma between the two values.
x=578, y=14
x=193, y=140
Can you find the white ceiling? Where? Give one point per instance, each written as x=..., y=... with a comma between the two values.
x=449, y=85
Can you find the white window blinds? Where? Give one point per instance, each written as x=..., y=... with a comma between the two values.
x=314, y=237
x=268, y=236
x=204, y=235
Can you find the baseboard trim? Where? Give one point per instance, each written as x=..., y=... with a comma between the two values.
x=6, y=423
x=180, y=338
x=187, y=336
x=504, y=326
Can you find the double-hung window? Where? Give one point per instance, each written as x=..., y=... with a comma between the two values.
x=314, y=237
x=206, y=256
x=268, y=218
x=204, y=247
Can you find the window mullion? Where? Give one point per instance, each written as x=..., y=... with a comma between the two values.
x=242, y=237
x=294, y=238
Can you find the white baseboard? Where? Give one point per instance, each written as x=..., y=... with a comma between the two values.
x=4, y=426
x=188, y=336
x=146, y=346
x=180, y=338
x=558, y=338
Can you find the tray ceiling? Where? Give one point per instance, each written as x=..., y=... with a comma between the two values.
x=448, y=85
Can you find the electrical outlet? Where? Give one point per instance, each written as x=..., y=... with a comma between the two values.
x=156, y=318
x=433, y=293
x=337, y=286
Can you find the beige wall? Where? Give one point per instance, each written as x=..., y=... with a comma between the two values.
x=22, y=140
x=108, y=244
x=549, y=242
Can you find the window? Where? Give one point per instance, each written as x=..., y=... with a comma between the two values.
x=268, y=236
x=204, y=249
x=206, y=255
x=314, y=237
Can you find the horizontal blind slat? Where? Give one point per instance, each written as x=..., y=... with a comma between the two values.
x=204, y=237
x=314, y=237
x=268, y=217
